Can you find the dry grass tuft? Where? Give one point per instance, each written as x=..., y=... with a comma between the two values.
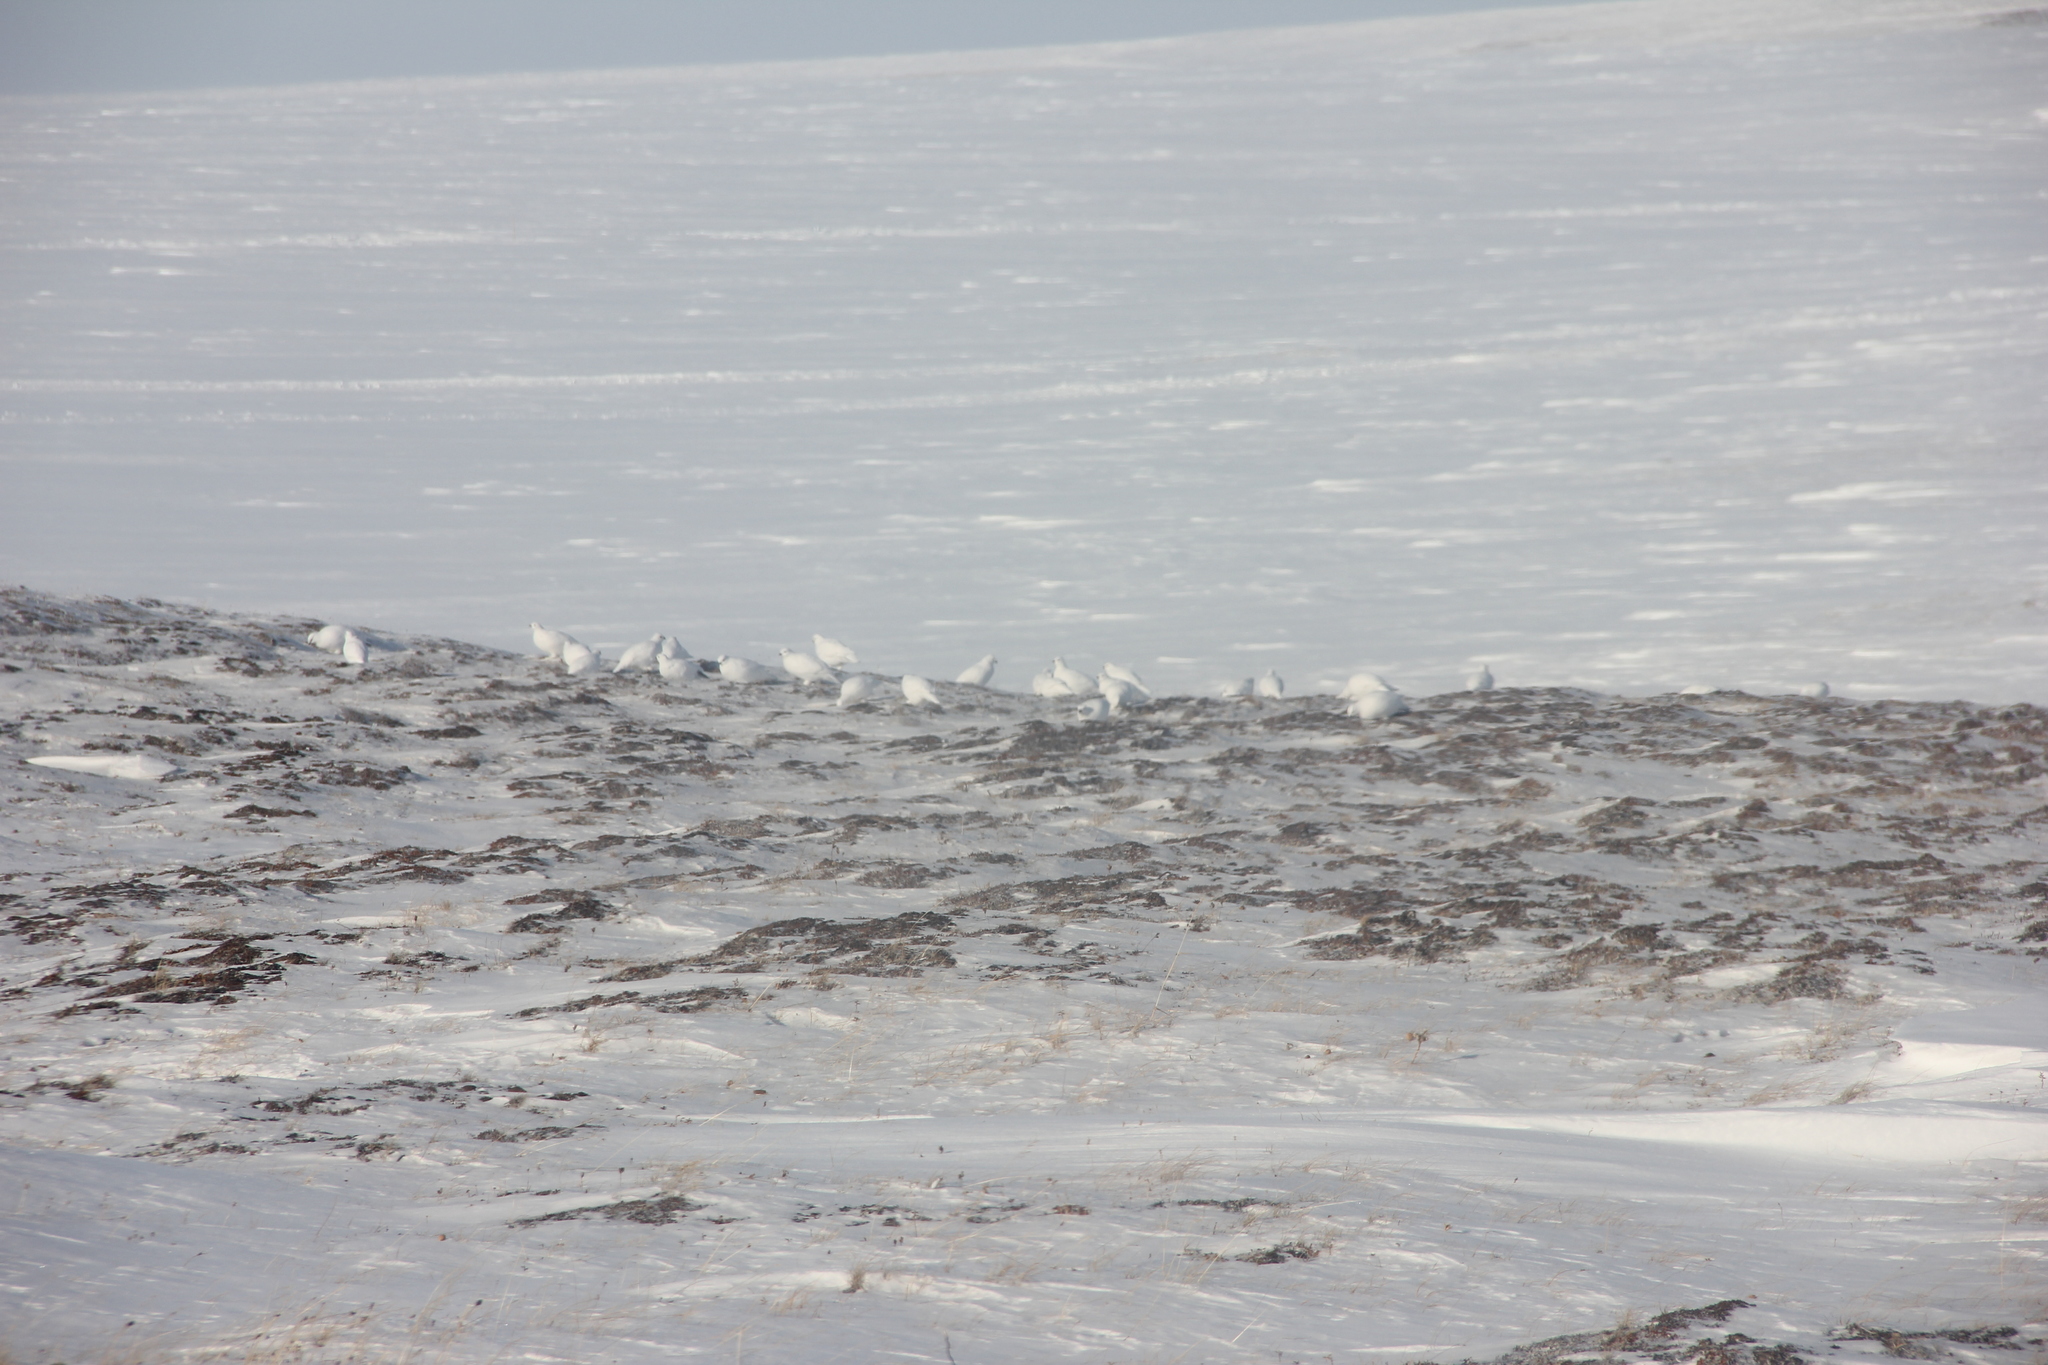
x=2027, y=1208
x=679, y=1177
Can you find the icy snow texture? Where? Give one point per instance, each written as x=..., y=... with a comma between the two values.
x=134, y=767
x=1628, y=345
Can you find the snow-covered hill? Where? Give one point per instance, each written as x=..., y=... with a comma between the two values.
x=450, y=1008
x=1626, y=346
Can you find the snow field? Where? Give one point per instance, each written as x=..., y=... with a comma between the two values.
x=452, y=1007
x=1632, y=347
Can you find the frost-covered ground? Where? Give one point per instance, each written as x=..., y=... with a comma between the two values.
x=1628, y=346
x=454, y=1009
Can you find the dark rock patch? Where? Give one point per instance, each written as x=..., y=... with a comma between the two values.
x=665, y=1208
x=900, y=945
x=674, y=1002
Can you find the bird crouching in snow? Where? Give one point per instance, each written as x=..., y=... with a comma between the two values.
x=1118, y=693
x=1364, y=685
x=640, y=656
x=735, y=669
x=918, y=691
x=1125, y=675
x=979, y=672
x=1270, y=686
x=1097, y=709
x=579, y=659
x=1379, y=706
x=1481, y=681
x=549, y=642
x=677, y=668
x=353, y=650
x=861, y=687
x=833, y=653
x=328, y=638
x=807, y=668
x=1077, y=683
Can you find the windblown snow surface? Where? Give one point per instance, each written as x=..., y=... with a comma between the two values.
x=452, y=1009
x=1626, y=346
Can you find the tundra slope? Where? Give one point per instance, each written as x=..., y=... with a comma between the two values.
x=453, y=1008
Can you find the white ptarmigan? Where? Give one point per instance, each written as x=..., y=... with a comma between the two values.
x=1379, y=706
x=861, y=687
x=1118, y=692
x=1818, y=689
x=672, y=648
x=807, y=668
x=1231, y=690
x=1482, y=681
x=1363, y=685
x=1270, y=686
x=677, y=669
x=918, y=691
x=1077, y=683
x=1098, y=709
x=353, y=650
x=1125, y=675
x=735, y=669
x=579, y=659
x=979, y=672
x=328, y=638
x=833, y=653
x=640, y=656
x=1046, y=685
x=549, y=642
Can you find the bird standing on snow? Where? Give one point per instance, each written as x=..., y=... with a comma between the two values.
x=1482, y=681
x=1097, y=709
x=734, y=669
x=579, y=659
x=1363, y=685
x=1046, y=685
x=807, y=668
x=328, y=638
x=859, y=688
x=1077, y=683
x=353, y=650
x=978, y=673
x=833, y=653
x=549, y=642
x=1270, y=686
x=1118, y=692
x=918, y=691
x=674, y=669
x=1380, y=706
x=640, y=656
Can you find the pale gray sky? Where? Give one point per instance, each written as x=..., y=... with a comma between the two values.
x=52, y=46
